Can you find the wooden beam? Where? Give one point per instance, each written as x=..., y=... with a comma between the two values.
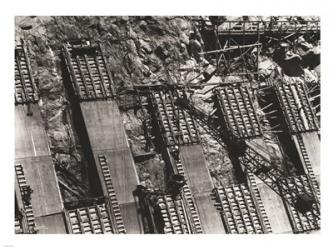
x=230, y=48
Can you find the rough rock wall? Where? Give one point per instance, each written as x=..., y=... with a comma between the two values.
x=139, y=50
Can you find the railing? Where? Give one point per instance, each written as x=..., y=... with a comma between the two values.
x=263, y=27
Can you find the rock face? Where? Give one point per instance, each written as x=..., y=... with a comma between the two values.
x=139, y=50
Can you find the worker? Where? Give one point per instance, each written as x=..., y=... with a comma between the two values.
x=175, y=153
x=147, y=134
x=176, y=184
x=29, y=110
x=26, y=195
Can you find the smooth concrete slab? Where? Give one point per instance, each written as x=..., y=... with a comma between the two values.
x=201, y=185
x=312, y=145
x=194, y=163
x=51, y=224
x=210, y=218
x=274, y=208
x=131, y=218
x=123, y=173
x=104, y=125
x=40, y=175
x=30, y=135
x=107, y=137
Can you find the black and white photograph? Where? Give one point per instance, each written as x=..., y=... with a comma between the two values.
x=167, y=124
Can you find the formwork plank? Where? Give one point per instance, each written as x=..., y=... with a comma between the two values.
x=30, y=136
x=41, y=176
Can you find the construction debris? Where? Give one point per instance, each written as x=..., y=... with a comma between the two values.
x=150, y=114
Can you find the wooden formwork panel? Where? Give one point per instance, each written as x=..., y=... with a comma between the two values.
x=25, y=88
x=296, y=107
x=93, y=219
x=177, y=126
x=238, y=210
x=174, y=215
x=88, y=71
x=238, y=112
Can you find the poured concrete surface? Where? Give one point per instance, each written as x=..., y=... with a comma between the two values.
x=131, y=218
x=312, y=145
x=104, y=124
x=51, y=224
x=211, y=220
x=200, y=183
x=123, y=174
x=196, y=169
x=40, y=175
x=30, y=136
x=275, y=209
x=107, y=137
x=33, y=153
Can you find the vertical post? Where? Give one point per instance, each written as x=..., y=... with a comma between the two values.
x=216, y=33
x=258, y=46
x=244, y=32
x=229, y=41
